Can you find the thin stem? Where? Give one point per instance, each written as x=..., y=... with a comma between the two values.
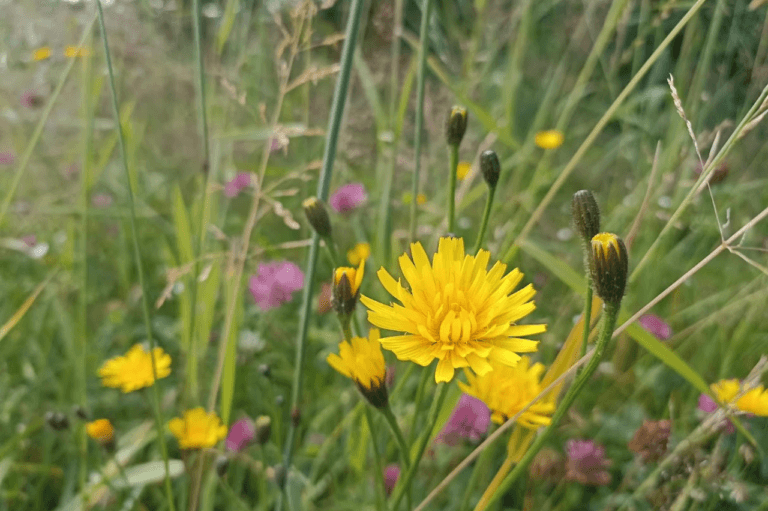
x=425, y=375
x=454, y=163
x=392, y=421
x=378, y=475
x=479, y=466
x=587, y=316
x=609, y=324
x=486, y=216
x=426, y=6
x=497, y=480
x=139, y=265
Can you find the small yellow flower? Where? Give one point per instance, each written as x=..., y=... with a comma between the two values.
x=133, y=371
x=77, y=51
x=197, y=429
x=346, y=289
x=455, y=311
x=463, y=169
x=101, y=430
x=421, y=199
x=359, y=253
x=354, y=276
x=506, y=390
x=550, y=139
x=363, y=362
x=41, y=53
x=755, y=401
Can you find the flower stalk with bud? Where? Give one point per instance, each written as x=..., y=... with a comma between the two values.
x=454, y=132
x=491, y=169
x=586, y=219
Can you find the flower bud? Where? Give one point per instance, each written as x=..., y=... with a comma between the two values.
x=317, y=216
x=263, y=429
x=609, y=265
x=57, y=420
x=80, y=412
x=456, y=125
x=490, y=167
x=586, y=214
x=346, y=289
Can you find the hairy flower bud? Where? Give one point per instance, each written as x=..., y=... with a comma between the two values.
x=317, y=216
x=346, y=289
x=456, y=125
x=490, y=167
x=586, y=214
x=609, y=266
x=57, y=420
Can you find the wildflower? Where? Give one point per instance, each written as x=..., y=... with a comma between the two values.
x=586, y=463
x=586, y=214
x=456, y=125
x=490, y=167
x=548, y=465
x=470, y=419
x=325, y=298
x=656, y=326
x=317, y=216
x=650, y=440
x=421, y=199
x=754, y=401
x=274, y=283
x=346, y=289
x=550, y=139
x=102, y=431
x=41, y=53
x=30, y=240
x=359, y=253
x=456, y=311
x=101, y=200
x=391, y=475
x=198, y=429
x=263, y=429
x=240, y=434
x=7, y=158
x=348, y=197
x=362, y=361
x=609, y=265
x=462, y=169
x=507, y=390
x=30, y=99
x=234, y=186
x=77, y=51
x=708, y=405
x=133, y=371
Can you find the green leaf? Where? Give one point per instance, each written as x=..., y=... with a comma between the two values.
x=230, y=10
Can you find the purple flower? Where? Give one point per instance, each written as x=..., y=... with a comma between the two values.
x=391, y=475
x=101, y=200
x=657, y=326
x=236, y=185
x=240, y=434
x=274, y=282
x=348, y=197
x=30, y=99
x=30, y=240
x=470, y=419
x=586, y=463
x=708, y=405
x=7, y=158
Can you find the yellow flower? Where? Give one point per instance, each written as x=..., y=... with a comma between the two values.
x=197, y=429
x=506, y=390
x=101, y=430
x=755, y=401
x=41, y=53
x=363, y=362
x=550, y=139
x=346, y=289
x=75, y=51
x=463, y=169
x=354, y=276
x=456, y=311
x=421, y=199
x=133, y=371
x=359, y=252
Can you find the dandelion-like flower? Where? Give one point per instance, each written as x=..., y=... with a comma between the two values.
x=358, y=253
x=198, y=429
x=362, y=361
x=456, y=311
x=101, y=430
x=77, y=51
x=133, y=371
x=754, y=401
x=41, y=53
x=550, y=139
x=462, y=169
x=507, y=390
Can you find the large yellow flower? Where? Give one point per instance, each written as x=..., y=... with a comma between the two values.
x=506, y=390
x=197, y=429
x=754, y=401
x=456, y=311
x=133, y=371
x=363, y=362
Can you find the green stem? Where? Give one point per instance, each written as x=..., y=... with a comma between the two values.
x=480, y=465
x=392, y=421
x=139, y=265
x=486, y=216
x=454, y=163
x=333, y=252
x=334, y=126
x=378, y=476
x=426, y=7
x=609, y=324
x=425, y=375
x=404, y=487
x=587, y=316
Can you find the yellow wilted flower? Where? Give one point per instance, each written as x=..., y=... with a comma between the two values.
x=133, y=371
x=41, y=53
x=506, y=390
x=362, y=361
x=754, y=401
x=462, y=169
x=456, y=311
x=550, y=139
x=77, y=51
x=359, y=253
x=197, y=429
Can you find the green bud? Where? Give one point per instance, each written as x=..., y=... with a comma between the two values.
x=317, y=216
x=609, y=266
x=490, y=167
x=263, y=426
x=586, y=214
x=456, y=125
